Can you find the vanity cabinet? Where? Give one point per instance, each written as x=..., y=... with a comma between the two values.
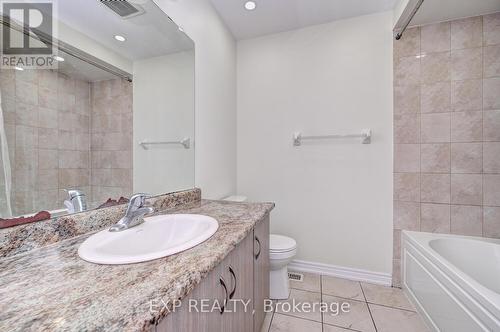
x=242, y=277
x=261, y=271
x=239, y=270
x=184, y=319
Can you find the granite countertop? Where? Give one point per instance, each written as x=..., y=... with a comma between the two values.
x=51, y=288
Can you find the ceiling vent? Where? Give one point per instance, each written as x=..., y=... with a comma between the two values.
x=123, y=8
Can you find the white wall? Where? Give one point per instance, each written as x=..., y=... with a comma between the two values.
x=163, y=111
x=215, y=96
x=335, y=197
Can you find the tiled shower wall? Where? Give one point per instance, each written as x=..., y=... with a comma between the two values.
x=111, y=139
x=447, y=130
x=47, y=121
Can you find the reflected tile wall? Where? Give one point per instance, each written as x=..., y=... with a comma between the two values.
x=39, y=108
x=66, y=133
x=447, y=129
x=111, y=140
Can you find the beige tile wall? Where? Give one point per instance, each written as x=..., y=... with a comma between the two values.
x=447, y=130
x=66, y=133
x=111, y=140
x=47, y=121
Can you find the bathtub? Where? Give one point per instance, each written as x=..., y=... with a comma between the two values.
x=453, y=281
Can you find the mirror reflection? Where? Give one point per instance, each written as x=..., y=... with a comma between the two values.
x=115, y=116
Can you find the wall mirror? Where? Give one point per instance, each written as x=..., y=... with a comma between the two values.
x=114, y=117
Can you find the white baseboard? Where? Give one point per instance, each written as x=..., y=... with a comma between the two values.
x=341, y=272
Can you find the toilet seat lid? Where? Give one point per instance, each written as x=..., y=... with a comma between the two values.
x=280, y=243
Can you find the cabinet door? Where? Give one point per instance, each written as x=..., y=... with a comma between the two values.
x=186, y=320
x=239, y=272
x=233, y=278
x=261, y=271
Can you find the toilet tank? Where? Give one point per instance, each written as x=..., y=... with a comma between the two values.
x=236, y=198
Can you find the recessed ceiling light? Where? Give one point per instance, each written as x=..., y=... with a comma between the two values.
x=250, y=5
x=18, y=68
x=120, y=38
x=58, y=58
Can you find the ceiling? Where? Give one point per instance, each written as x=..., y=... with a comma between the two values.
x=272, y=16
x=433, y=11
x=81, y=70
x=72, y=66
x=148, y=35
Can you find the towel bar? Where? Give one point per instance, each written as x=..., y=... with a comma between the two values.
x=366, y=137
x=186, y=142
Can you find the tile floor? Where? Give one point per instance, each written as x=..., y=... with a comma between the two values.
x=373, y=308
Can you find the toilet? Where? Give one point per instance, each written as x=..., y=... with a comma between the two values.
x=282, y=250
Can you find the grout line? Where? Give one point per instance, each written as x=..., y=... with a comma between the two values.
x=430, y=143
x=419, y=152
x=288, y=315
x=362, y=291
x=346, y=298
x=342, y=327
x=390, y=307
x=271, y=321
x=305, y=290
x=482, y=128
x=369, y=311
x=445, y=173
x=451, y=132
x=457, y=204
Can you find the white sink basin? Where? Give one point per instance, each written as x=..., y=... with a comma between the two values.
x=157, y=237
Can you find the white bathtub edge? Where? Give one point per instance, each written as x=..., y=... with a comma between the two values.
x=416, y=246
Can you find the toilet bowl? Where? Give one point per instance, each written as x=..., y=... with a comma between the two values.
x=282, y=249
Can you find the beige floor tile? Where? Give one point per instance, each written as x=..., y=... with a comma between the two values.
x=311, y=282
x=283, y=323
x=272, y=304
x=395, y=320
x=267, y=322
x=297, y=297
x=331, y=328
x=357, y=318
x=342, y=287
x=388, y=296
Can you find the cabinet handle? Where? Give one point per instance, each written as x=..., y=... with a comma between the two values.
x=234, y=278
x=260, y=247
x=223, y=283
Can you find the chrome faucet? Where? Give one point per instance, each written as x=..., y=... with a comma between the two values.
x=135, y=213
x=76, y=201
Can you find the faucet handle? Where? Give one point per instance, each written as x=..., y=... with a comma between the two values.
x=138, y=200
x=72, y=193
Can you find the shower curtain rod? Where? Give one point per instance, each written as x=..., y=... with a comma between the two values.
x=70, y=50
x=408, y=20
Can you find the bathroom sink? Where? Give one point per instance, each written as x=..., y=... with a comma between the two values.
x=157, y=237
